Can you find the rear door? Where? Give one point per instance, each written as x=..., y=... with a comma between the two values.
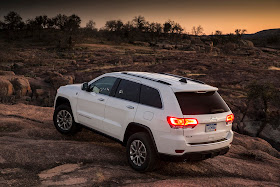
x=121, y=108
x=210, y=110
x=91, y=103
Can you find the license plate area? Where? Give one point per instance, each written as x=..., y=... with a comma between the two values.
x=210, y=127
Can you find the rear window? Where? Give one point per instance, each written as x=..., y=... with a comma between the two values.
x=150, y=96
x=192, y=103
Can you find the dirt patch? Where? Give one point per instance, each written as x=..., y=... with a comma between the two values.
x=58, y=170
x=66, y=182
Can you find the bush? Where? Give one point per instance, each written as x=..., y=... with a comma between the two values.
x=263, y=104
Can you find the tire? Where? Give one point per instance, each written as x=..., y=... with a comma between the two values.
x=146, y=158
x=66, y=124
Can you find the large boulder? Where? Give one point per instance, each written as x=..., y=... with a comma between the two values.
x=168, y=46
x=6, y=87
x=39, y=92
x=229, y=47
x=9, y=73
x=196, y=40
x=57, y=79
x=272, y=135
x=251, y=128
x=21, y=86
x=246, y=43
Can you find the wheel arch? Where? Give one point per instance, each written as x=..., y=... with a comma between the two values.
x=63, y=100
x=133, y=128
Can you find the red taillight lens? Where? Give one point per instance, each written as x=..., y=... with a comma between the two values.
x=182, y=122
x=230, y=118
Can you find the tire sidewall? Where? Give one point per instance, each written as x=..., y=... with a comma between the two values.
x=144, y=138
x=73, y=127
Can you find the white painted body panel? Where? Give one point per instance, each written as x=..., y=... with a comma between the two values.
x=118, y=114
x=90, y=109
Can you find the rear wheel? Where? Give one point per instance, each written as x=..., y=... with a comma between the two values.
x=64, y=121
x=141, y=153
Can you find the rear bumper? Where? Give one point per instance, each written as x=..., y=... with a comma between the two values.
x=194, y=156
x=167, y=143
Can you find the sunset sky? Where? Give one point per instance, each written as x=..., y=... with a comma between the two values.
x=224, y=15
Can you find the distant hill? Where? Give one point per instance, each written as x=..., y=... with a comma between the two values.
x=264, y=33
x=265, y=38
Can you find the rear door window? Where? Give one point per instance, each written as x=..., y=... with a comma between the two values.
x=128, y=90
x=193, y=103
x=150, y=96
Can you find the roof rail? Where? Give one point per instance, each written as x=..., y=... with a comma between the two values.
x=148, y=78
x=183, y=79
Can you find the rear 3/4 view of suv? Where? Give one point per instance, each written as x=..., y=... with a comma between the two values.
x=157, y=116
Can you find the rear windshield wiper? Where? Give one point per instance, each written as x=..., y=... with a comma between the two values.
x=219, y=110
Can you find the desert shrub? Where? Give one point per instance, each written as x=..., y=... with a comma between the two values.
x=263, y=104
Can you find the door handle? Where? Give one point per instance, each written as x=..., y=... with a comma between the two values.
x=101, y=99
x=130, y=107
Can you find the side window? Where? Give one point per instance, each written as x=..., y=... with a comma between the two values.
x=128, y=90
x=150, y=96
x=103, y=85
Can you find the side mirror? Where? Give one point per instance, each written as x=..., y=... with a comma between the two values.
x=85, y=86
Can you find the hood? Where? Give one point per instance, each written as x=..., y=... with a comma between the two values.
x=72, y=86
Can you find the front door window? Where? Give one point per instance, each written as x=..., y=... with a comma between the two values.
x=103, y=85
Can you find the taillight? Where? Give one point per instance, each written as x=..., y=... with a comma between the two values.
x=182, y=122
x=230, y=118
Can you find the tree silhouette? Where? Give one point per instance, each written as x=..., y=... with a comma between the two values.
x=73, y=22
x=13, y=21
x=90, y=25
x=41, y=21
x=114, y=25
x=60, y=21
x=240, y=32
x=155, y=27
x=139, y=22
x=2, y=25
x=128, y=27
x=50, y=23
x=177, y=28
x=64, y=22
x=197, y=30
x=31, y=24
x=218, y=33
x=167, y=26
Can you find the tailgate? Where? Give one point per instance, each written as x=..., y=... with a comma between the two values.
x=211, y=128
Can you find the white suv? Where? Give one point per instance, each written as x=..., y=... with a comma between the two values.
x=155, y=115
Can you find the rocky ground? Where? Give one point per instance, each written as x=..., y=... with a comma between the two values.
x=47, y=68
x=31, y=73
x=33, y=153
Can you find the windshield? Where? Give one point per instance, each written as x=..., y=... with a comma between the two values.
x=193, y=103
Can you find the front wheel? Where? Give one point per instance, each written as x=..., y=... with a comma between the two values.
x=64, y=121
x=141, y=153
